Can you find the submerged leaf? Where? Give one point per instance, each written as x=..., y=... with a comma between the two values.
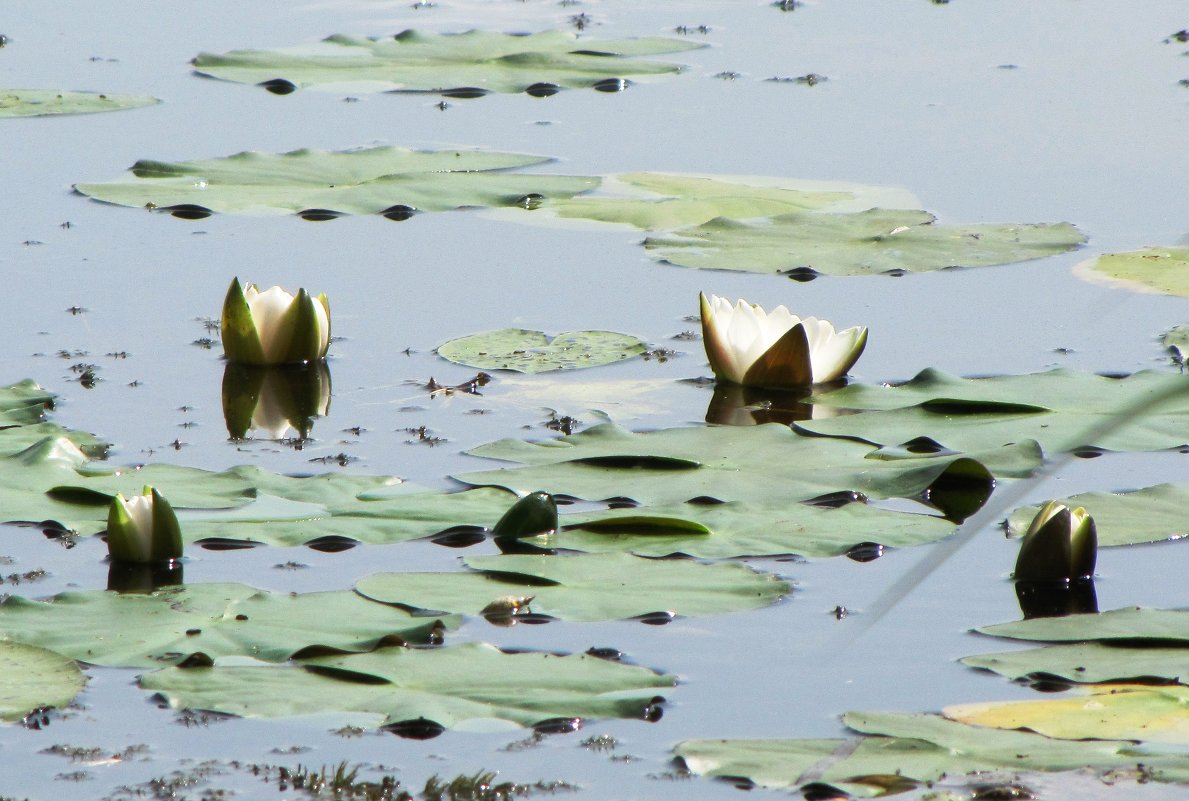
x=1163, y=270
x=533, y=352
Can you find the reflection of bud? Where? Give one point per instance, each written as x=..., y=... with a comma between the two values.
x=141, y=579
x=1061, y=545
x=736, y=405
x=1056, y=598
x=274, y=400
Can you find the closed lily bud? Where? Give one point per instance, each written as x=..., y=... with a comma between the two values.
x=749, y=346
x=274, y=327
x=1061, y=545
x=143, y=529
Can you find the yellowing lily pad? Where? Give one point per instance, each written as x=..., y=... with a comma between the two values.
x=1151, y=514
x=47, y=102
x=418, y=61
x=1100, y=712
x=534, y=352
x=32, y=678
x=1163, y=270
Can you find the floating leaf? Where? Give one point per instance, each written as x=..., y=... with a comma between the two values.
x=1133, y=624
x=860, y=243
x=1101, y=712
x=445, y=686
x=533, y=352
x=752, y=464
x=32, y=678
x=479, y=61
x=1090, y=663
x=169, y=625
x=390, y=181
x=1163, y=270
x=23, y=403
x=46, y=102
x=1060, y=409
x=582, y=587
x=1151, y=514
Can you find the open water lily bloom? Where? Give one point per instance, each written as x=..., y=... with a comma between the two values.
x=1061, y=545
x=752, y=347
x=143, y=529
x=274, y=326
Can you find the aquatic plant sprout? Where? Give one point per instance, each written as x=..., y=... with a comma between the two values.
x=274, y=327
x=1061, y=544
x=143, y=529
x=747, y=345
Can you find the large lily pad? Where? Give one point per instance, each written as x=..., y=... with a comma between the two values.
x=1060, y=409
x=32, y=678
x=1163, y=270
x=1151, y=514
x=752, y=464
x=533, y=352
x=860, y=243
x=429, y=62
x=47, y=102
x=391, y=181
x=169, y=625
x=1101, y=712
x=1133, y=624
x=1090, y=663
x=583, y=587
x=444, y=685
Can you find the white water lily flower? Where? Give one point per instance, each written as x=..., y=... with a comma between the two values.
x=143, y=529
x=274, y=326
x=752, y=347
x=1061, y=545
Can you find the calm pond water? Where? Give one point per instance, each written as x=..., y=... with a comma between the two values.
x=986, y=110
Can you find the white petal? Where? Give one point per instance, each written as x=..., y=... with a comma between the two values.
x=267, y=309
x=140, y=510
x=831, y=352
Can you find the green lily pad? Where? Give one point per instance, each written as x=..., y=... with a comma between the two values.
x=860, y=243
x=32, y=678
x=23, y=403
x=582, y=587
x=47, y=102
x=446, y=686
x=1176, y=342
x=1090, y=663
x=751, y=464
x=1151, y=514
x=169, y=625
x=1112, y=712
x=745, y=528
x=534, y=352
x=1132, y=624
x=1060, y=409
x=428, y=62
x=390, y=181
x=1163, y=270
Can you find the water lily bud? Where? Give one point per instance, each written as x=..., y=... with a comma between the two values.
x=1061, y=545
x=274, y=327
x=749, y=346
x=143, y=529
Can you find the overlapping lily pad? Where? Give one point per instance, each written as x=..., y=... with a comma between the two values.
x=1151, y=514
x=1060, y=409
x=1091, y=663
x=418, y=61
x=169, y=625
x=861, y=243
x=1132, y=624
x=1163, y=270
x=47, y=102
x=33, y=678
x=583, y=587
x=752, y=464
x=391, y=181
x=534, y=352
x=445, y=686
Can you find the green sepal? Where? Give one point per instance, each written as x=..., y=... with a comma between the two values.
x=300, y=325
x=167, y=534
x=535, y=513
x=241, y=340
x=785, y=364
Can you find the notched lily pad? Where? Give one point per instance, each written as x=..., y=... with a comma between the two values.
x=33, y=678
x=861, y=243
x=444, y=687
x=46, y=102
x=462, y=65
x=534, y=352
x=1163, y=270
